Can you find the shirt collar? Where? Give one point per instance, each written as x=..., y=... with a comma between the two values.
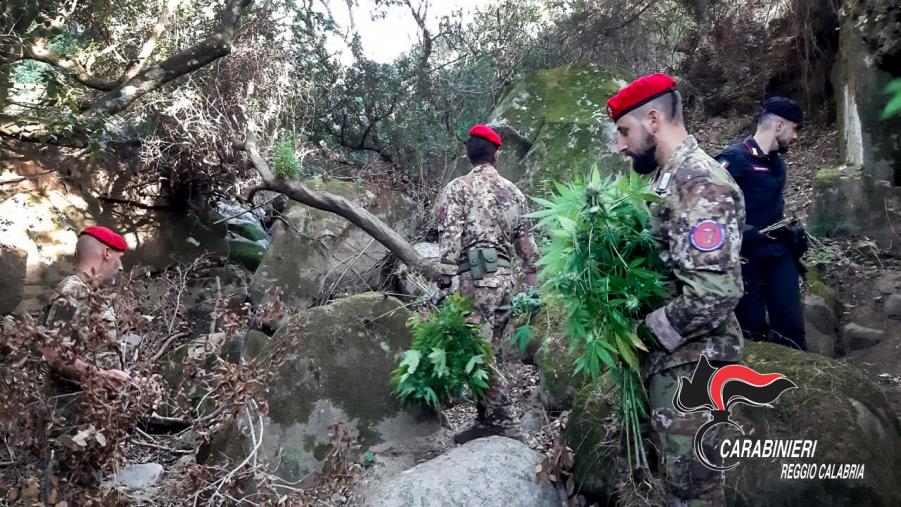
x=754, y=148
x=484, y=168
x=680, y=154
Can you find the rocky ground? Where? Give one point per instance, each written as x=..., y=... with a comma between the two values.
x=540, y=429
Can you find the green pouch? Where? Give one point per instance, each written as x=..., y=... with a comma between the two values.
x=489, y=259
x=475, y=263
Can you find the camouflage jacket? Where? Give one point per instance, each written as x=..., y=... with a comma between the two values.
x=697, y=228
x=483, y=209
x=71, y=302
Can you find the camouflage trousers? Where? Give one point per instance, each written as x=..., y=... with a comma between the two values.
x=688, y=482
x=490, y=294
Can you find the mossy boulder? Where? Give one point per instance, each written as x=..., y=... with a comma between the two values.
x=317, y=254
x=835, y=404
x=868, y=139
x=556, y=361
x=848, y=200
x=336, y=369
x=593, y=435
x=554, y=125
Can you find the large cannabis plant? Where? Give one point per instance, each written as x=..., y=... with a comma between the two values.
x=602, y=264
x=447, y=359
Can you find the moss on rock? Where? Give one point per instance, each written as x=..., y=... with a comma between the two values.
x=555, y=126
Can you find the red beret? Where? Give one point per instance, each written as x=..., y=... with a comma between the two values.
x=107, y=237
x=638, y=93
x=486, y=133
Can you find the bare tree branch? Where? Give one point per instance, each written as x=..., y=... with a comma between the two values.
x=214, y=47
x=150, y=44
x=357, y=215
x=419, y=15
x=39, y=51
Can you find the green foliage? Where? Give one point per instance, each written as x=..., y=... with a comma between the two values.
x=284, y=163
x=448, y=357
x=522, y=308
x=368, y=459
x=602, y=264
x=893, y=107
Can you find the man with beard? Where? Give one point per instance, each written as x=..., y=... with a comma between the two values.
x=771, y=273
x=696, y=226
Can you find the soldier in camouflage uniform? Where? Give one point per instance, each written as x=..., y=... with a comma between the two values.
x=480, y=224
x=697, y=228
x=98, y=261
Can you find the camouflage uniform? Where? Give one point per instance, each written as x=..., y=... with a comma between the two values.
x=71, y=301
x=697, y=228
x=484, y=210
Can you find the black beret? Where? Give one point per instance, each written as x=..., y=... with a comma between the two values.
x=784, y=107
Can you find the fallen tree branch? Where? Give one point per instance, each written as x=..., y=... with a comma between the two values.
x=165, y=346
x=325, y=201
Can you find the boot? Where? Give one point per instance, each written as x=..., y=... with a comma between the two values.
x=478, y=430
x=491, y=422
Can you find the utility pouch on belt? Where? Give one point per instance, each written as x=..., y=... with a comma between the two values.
x=480, y=261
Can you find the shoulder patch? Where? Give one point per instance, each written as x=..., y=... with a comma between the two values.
x=708, y=235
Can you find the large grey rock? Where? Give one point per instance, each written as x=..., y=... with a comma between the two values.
x=857, y=337
x=893, y=306
x=819, y=342
x=820, y=325
x=867, y=200
x=888, y=284
x=335, y=367
x=819, y=314
x=488, y=472
x=140, y=476
x=322, y=253
x=12, y=277
x=834, y=404
x=555, y=127
x=848, y=200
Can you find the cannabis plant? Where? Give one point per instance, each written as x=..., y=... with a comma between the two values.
x=602, y=264
x=523, y=307
x=284, y=163
x=448, y=358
